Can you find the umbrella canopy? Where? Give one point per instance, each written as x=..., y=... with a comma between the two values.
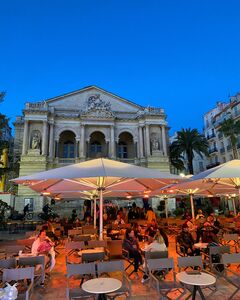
x=191, y=188
x=97, y=174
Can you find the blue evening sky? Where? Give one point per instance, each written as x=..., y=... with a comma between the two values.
x=181, y=55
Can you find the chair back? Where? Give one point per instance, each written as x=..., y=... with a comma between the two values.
x=160, y=264
x=91, y=257
x=233, y=258
x=230, y=237
x=97, y=243
x=219, y=250
x=80, y=269
x=156, y=254
x=79, y=238
x=190, y=261
x=74, y=245
x=90, y=230
x=72, y=232
x=110, y=266
x=32, y=261
x=9, y=263
x=18, y=274
x=114, y=248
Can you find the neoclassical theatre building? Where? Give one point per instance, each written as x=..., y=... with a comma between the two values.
x=86, y=124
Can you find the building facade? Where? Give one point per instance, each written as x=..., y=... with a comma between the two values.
x=220, y=149
x=86, y=124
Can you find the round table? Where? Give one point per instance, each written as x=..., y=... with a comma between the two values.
x=196, y=280
x=101, y=286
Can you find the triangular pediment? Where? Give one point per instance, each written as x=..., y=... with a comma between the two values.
x=91, y=98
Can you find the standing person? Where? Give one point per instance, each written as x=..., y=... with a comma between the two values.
x=74, y=215
x=26, y=209
x=150, y=215
x=130, y=244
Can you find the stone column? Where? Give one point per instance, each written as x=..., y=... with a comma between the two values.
x=81, y=144
x=164, y=142
x=147, y=141
x=25, y=138
x=136, y=149
x=140, y=137
x=51, y=141
x=77, y=148
x=112, y=150
x=56, y=149
x=44, y=138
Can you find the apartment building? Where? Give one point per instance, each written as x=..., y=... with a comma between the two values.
x=220, y=149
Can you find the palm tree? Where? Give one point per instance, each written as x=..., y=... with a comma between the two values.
x=189, y=141
x=231, y=129
x=176, y=158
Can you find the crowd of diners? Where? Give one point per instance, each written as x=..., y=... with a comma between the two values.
x=137, y=238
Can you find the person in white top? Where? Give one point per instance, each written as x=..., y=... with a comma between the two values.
x=157, y=245
x=119, y=221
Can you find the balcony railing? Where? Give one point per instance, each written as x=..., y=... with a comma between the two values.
x=212, y=165
x=212, y=150
x=229, y=147
x=210, y=136
x=220, y=135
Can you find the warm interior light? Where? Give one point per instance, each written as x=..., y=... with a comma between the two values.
x=57, y=198
x=129, y=197
x=46, y=193
x=182, y=174
x=146, y=196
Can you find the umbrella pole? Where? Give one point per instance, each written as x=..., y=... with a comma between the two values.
x=166, y=206
x=101, y=215
x=234, y=206
x=94, y=212
x=192, y=206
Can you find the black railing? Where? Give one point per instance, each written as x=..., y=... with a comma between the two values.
x=212, y=150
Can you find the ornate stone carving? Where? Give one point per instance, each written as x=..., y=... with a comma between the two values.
x=149, y=110
x=96, y=107
x=154, y=142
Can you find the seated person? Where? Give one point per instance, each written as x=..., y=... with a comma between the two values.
x=119, y=220
x=200, y=214
x=157, y=245
x=77, y=223
x=88, y=221
x=44, y=246
x=130, y=244
x=208, y=234
x=152, y=228
x=214, y=224
x=186, y=240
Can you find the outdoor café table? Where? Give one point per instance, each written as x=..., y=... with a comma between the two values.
x=101, y=286
x=196, y=280
x=92, y=250
x=201, y=245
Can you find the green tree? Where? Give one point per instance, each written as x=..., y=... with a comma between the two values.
x=189, y=141
x=231, y=130
x=176, y=158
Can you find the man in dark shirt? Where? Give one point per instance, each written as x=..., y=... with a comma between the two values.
x=186, y=240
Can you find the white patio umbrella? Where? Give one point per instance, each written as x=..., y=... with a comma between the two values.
x=97, y=174
x=191, y=188
x=227, y=174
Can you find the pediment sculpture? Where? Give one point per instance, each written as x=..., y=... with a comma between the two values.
x=97, y=107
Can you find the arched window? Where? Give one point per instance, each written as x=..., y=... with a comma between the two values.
x=68, y=149
x=96, y=147
x=122, y=150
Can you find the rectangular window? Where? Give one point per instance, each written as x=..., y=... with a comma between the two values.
x=30, y=202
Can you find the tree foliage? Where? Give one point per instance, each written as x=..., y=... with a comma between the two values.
x=189, y=141
x=231, y=130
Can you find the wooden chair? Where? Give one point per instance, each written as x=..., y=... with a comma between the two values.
x=231, y=240
x=114, y=249
x=108, y=268
x=84, y=271
x=21, y=274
